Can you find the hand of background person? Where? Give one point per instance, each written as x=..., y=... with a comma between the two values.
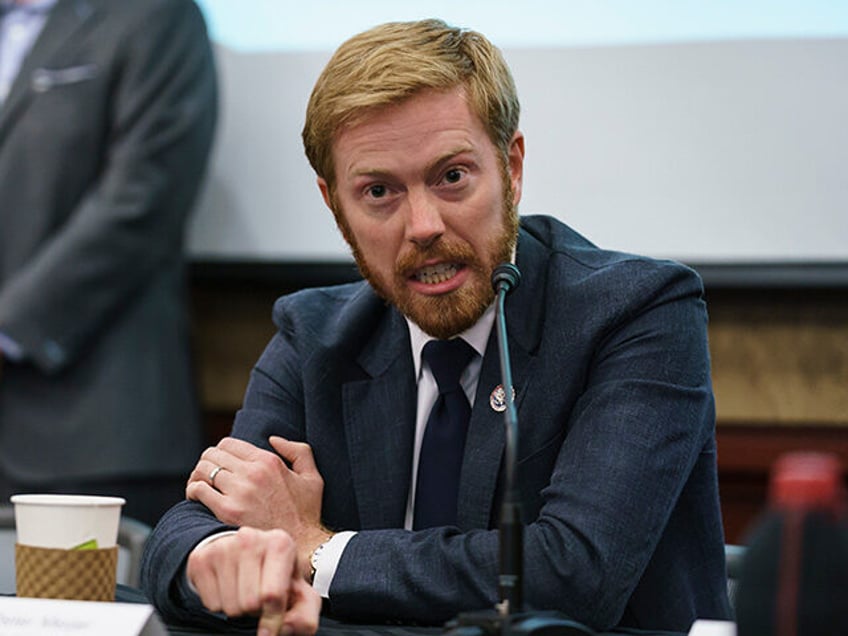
x=255, y=572
x=254, y=487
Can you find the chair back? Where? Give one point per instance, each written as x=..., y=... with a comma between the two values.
x=733, y=556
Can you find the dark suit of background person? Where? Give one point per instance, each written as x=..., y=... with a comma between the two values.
x=616, y=462
x=104, y=138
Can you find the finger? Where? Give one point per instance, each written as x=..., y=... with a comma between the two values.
x=220, y=456
x=207, y=495
x=207, y=590
x=305, y=610
x=240, y=449
x=202, y=571
x=278, y=568
x=228, y=582
x=242, y=564
x=298, y=454
x=203, y=471
x=198, y=472
x=249, y=574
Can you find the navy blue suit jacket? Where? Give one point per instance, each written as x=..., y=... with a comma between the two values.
x=617, y=459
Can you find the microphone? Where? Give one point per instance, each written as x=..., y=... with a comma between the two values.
x=508, y=619
x=505, y=278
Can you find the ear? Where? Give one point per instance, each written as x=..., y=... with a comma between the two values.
x=325, y=191
x=516, y=164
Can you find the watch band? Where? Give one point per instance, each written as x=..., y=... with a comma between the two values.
x=314, y=559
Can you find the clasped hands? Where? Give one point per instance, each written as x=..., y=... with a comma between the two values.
x=262, y=568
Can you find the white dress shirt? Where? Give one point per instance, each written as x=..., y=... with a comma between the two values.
x=20, y=25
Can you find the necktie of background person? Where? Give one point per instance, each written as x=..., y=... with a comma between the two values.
x=440, y=460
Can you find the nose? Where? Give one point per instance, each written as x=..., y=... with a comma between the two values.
x=424, y=224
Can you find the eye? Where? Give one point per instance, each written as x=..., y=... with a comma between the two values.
x=376, y=191
x=454, y=175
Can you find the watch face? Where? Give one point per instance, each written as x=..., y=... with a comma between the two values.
x=315, y=557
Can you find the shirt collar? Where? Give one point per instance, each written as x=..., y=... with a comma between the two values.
x=477, y=336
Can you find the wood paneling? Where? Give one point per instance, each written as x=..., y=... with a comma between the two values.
x=231, y=326
x=780, y=358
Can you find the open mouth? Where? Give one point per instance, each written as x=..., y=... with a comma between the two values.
x=434, y=274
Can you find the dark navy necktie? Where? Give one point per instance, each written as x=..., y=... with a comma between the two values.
x=440, y=459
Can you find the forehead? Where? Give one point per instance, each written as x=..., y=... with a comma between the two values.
x=428, y=123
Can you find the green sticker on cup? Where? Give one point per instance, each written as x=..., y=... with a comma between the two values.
x=91, y=544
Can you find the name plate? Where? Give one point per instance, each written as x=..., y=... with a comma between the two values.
x=703, y=627
x=36, y=616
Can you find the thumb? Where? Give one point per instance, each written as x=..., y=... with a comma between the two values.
x=298, y=454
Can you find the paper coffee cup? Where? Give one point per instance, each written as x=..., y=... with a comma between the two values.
x=66, y=546
x=67, y=522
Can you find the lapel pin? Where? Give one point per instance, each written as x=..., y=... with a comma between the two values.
x=497, y=400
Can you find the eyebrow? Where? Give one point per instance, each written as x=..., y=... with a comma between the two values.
x=433, y=166
x=449, y=156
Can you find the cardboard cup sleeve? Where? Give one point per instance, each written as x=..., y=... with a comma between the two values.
x=80, y=575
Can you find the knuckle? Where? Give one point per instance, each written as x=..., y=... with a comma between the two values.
x=247, y=537
x=255, y=473
x=212, y=603
x=200, y=562
x=271, y=599
x=280, y=540
x=232, y=608
x=310, y=625
x=269, y=463
x=250, y=601
x=226, y=443
x=302, y=448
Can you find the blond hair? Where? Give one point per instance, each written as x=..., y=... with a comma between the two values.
x=392, y=62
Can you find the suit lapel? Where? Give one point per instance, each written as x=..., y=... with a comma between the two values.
x=379, y=417
x=484, y=447
x=64, y=21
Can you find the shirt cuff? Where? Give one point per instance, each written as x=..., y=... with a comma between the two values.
x=10, y=348
x=328, y=561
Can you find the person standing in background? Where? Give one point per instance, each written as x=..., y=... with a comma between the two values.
x=107, y=115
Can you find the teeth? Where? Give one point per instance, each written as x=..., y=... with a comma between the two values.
x=433, y=274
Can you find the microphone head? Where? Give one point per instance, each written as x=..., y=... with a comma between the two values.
x=505, y=276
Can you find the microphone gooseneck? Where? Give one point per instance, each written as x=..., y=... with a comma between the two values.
x=505, y=278
x=507, y=619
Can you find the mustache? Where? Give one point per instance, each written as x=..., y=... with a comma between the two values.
x=454, y=252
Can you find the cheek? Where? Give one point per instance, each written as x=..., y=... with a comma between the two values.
x=488, y=217
x=379, y=243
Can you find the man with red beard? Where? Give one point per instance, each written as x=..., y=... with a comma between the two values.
x=412, y=129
